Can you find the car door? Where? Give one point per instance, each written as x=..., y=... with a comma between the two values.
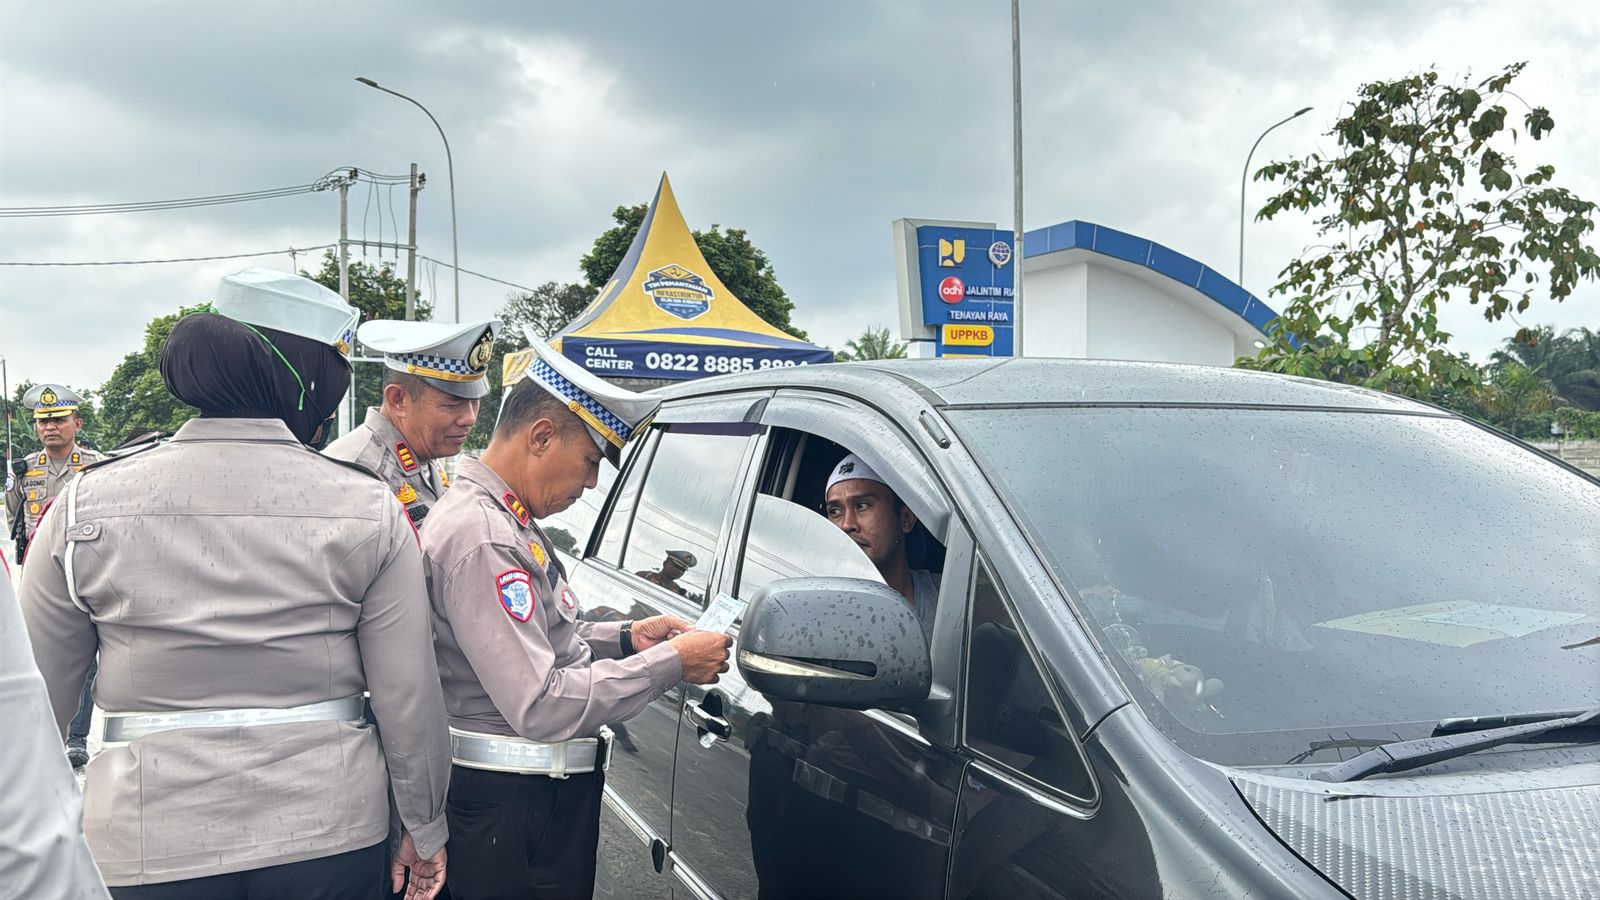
x=779, y=799
x=675, y=495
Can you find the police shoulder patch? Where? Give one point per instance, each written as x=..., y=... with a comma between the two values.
x=408, y=460
x=516, y=593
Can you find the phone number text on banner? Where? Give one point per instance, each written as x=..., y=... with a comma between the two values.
x=639, y=359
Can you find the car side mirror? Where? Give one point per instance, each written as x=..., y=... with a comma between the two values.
x=844, y=642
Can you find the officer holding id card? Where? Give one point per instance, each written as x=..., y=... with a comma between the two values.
x=529, y=688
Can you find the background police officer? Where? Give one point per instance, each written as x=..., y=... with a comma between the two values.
x=528, y=687
x=38, y=479
x=434, y=376
x=243, y=591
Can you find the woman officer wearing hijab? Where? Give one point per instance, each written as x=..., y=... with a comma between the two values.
x=243, y=591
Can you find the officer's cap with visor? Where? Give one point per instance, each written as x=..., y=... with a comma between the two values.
x=451, y=356
x=51, y=401
x=612, y=414
x=282, y=301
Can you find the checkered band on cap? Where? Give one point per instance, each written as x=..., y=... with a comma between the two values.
x=544, y=372
x=443, y=367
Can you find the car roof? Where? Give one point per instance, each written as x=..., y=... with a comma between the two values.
x=988, y=382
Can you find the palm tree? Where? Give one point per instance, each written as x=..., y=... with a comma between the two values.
x=874, y=343
x=1569, y=363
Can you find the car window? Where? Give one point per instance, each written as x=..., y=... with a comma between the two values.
x=1012, y=719
x=787, y=540
x=615, y=535
x=681, y=509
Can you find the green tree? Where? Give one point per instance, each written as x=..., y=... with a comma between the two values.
x=874, y=343
x=546, y=309
x=380, y=293
x=1422, y=203
x=738, y=264
x=135, y=399
x=1569, y=363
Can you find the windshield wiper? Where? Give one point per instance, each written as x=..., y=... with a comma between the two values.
x=1404, y=755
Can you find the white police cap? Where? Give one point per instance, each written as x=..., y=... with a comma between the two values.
x=614, y=415
x=51, y=401
x=451, y=356
x=291, y=303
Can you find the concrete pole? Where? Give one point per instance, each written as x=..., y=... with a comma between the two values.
x=411, y=251
x=344, y=241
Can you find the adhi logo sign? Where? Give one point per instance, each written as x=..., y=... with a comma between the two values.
x=952, y=289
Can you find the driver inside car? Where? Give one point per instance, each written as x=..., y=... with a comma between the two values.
x=867, y=510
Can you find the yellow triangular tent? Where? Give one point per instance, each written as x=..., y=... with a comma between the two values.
x=665, y=315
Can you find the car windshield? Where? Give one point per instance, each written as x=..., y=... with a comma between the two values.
x=1283, y=586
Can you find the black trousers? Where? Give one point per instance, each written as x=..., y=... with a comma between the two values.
x=357, y=875
x=521, y=836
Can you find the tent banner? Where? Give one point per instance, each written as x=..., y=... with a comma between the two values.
x=660, y=359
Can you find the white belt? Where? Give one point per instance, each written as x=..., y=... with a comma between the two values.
x=124, y=727
x=506, y=753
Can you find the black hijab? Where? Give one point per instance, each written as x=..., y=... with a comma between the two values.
x=228, y=369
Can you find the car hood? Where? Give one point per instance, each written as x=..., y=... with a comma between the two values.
x=1480, y=835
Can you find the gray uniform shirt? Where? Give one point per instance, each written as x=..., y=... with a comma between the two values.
x=42, y=481
x=513, y=656
x=232, y=568
x=379, y=447
x=925, y=599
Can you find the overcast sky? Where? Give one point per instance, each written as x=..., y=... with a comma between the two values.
x=811, y=124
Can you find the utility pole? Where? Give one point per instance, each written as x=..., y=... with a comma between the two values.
x=344, y=240
x=411, y=248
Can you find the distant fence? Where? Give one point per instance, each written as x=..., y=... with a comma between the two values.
x=1583, y=454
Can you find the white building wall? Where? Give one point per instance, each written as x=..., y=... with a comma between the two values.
x=1056, y=320
x=1133, y=319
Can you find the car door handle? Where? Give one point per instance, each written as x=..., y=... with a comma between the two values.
x=706, y=723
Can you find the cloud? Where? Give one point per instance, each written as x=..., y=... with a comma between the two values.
x=811, y=125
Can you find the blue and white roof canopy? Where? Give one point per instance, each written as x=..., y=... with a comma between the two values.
x=1149, y=257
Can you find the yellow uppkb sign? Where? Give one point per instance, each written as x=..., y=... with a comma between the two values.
x=968, y=335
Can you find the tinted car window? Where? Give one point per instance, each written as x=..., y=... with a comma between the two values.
x=1268, y=579
x=681, y=509
x=615, y=535
x=1011, y=717
x=787, y=540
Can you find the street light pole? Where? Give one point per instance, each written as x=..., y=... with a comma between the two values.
x=1245, y=178
x=450, y=168
x=1016, y=178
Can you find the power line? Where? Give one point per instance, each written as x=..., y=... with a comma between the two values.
x=519, y=287
x=150, y=262
x=326, y=182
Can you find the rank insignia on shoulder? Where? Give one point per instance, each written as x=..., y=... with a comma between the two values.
x=516, y=593
x=77, y=458
x=516, y=507
x=538, y=552
x=406, y=494
x=408, y=460
x=444, y=477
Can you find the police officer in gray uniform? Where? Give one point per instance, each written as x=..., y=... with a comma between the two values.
x=243, y=591
x=37, y=478
x=528, y=687
x=434, y=376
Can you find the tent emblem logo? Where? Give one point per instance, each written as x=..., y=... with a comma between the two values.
x=678, y=291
